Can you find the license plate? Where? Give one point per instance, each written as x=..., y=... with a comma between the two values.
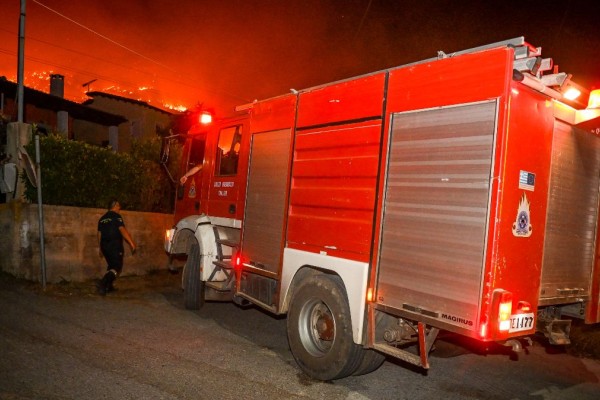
x=521, y=322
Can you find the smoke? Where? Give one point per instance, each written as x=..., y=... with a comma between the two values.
x=228, y=52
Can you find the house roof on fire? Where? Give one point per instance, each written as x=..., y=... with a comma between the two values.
x=124, y=99
x=54, y=103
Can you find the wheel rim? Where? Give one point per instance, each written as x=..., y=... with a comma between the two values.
x=317, y=328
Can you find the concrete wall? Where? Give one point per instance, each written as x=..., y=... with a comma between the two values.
x=71, y=244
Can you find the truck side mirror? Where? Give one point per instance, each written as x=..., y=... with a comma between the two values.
x=165, y=148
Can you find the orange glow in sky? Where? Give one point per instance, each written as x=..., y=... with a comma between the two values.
x=224, y=53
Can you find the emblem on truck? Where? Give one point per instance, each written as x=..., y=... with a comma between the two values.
x=522, y=226
x=192, y=191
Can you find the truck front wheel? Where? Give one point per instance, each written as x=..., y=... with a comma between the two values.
x=193, y=287
x=320, y=330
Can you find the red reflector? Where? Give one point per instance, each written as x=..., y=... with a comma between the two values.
x=524, y=306
x=483, y=330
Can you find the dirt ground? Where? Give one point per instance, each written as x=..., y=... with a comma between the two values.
x=585, y=339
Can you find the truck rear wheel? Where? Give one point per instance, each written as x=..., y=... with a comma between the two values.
x=193, y=287
x=320, y=330
x=372, y=359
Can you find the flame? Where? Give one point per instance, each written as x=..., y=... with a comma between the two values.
x=174, y=107
x=39, y=80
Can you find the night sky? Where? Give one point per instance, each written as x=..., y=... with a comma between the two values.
x=227, y=52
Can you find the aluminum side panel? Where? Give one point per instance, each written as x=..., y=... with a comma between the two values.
x=266, y=199
x=432, y=249
x=572, y=216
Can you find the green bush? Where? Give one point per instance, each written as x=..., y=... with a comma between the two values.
x=78, y=174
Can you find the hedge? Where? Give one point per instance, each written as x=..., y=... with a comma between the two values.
x=78, y=174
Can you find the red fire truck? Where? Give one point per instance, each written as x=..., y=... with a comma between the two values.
x=458, y=193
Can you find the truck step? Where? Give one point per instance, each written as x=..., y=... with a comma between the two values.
x=224, y=286
x=217, y=295
x=424, y=343
x=228, y=242
x=398, y=353
x=224, y=264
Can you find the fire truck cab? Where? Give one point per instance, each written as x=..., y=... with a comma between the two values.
x=458, y=193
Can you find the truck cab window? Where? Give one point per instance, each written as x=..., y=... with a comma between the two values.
x=196, y=153
x=228, y=150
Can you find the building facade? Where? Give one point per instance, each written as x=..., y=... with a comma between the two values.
x=143, y=120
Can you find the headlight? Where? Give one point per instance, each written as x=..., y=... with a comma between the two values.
x=169, y=234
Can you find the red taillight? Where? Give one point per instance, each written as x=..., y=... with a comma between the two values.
x=238, y=261
x=504, y=310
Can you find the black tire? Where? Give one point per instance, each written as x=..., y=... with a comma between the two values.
x=320, y=330
x=193, y=287
x=371, y=358
x=370, y=362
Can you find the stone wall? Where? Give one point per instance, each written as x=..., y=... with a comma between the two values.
x=71, y=243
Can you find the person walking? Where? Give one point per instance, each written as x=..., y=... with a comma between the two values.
x=111, y=232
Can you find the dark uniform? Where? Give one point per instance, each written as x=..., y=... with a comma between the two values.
x=111, y=244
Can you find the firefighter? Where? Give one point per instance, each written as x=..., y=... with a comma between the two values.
x=191, y=172
x=111, y=232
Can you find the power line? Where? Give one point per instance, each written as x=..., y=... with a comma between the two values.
x=189, y=84
x=104, y=60
x=231, y=95
x=89, y=73
x=67, y=68
x=105, y=37
x=362, y=20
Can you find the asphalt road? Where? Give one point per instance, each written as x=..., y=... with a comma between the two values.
x=139, y=343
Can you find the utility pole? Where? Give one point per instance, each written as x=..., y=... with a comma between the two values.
x=21, y=62
x=20, y=107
